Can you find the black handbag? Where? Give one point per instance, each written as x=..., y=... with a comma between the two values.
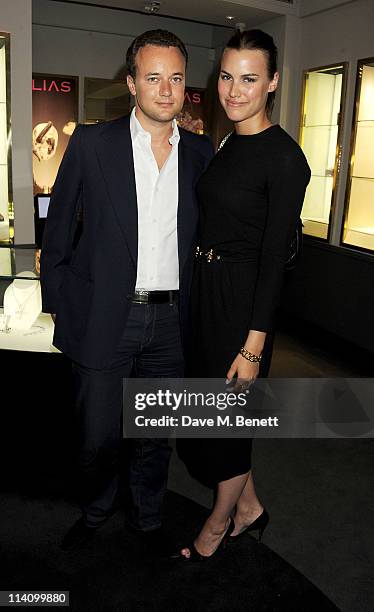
x=295, y=248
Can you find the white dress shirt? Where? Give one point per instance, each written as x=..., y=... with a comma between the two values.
x=157, y=196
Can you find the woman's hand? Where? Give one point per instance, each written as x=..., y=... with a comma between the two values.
x=246, y=372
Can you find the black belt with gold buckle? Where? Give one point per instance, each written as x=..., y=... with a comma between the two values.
x=208, y=256
x=211, y=256
x=154, y=297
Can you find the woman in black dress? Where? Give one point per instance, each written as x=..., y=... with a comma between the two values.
x=250, y=198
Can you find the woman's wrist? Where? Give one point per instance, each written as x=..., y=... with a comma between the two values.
x=256, y=349
x=255, y=342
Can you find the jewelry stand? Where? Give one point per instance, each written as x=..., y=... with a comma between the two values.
x=23, y=301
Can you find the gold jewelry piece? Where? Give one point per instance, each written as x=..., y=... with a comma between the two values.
x=250, y=356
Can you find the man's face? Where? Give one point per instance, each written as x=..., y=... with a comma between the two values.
x=159, y=83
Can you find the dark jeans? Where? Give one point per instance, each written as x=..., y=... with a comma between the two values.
x=150, y=347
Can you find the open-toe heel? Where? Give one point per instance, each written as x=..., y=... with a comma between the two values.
x=259, y=525
x=196, y=557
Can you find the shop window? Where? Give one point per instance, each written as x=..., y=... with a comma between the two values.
x=320, y=133
x=358, y=230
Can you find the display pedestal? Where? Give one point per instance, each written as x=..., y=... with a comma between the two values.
x=23, y=301
x=37, y=339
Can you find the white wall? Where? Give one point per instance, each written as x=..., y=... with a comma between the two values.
x=343, y=33
x=277, y=29
x=309, y=7
x=15, y=18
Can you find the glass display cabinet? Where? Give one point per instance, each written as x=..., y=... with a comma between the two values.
x=105, y=99
x=23, y=325
x=358, y=229
x=320, y=139
x=6, y=205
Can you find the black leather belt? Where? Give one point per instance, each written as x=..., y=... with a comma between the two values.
x=153, y=297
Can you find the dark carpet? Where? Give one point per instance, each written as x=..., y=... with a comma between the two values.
x=330, y=541
x=117, y=571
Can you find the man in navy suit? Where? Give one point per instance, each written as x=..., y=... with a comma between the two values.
x=119, y=293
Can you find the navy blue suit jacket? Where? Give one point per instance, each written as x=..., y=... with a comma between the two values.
x=87, y=284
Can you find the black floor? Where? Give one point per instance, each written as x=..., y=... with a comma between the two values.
x=117, y=571
x=318, y=548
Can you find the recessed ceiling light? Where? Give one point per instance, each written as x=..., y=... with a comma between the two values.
x=230, y=17
x=152, y=7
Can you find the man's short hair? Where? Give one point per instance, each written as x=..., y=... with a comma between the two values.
x=158, y=38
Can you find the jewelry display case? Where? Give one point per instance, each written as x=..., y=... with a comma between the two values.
x=320, y=138
x=23, y=325
x=358, y=229
x=6, y=205
x=105, y=99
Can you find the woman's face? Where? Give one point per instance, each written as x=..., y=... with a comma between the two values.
x=244, y=84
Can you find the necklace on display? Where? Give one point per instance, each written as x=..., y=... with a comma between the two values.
x=22, y=305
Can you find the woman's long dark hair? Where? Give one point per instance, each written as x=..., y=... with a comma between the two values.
x=258, y=40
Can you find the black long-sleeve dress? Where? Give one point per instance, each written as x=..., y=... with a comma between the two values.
x=250, y=198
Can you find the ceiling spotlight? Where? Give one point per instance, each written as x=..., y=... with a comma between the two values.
x=230, y=17
x=152, y=7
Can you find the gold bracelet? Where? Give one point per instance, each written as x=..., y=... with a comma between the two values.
x=250, y=356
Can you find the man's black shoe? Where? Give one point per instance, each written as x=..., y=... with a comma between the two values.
x=78, y=535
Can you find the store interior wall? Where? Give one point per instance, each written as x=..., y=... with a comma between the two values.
x=277, y=29
x=217, y=123
x=15, y=18
x=347, y=44
x=91, y=41
x=68, y=40
x=334, y=287
x=309, y=7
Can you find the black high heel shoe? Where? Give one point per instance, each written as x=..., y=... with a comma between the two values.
x=259, y=524
x=195, y=556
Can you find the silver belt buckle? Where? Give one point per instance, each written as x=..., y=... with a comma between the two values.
x=139, y=293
